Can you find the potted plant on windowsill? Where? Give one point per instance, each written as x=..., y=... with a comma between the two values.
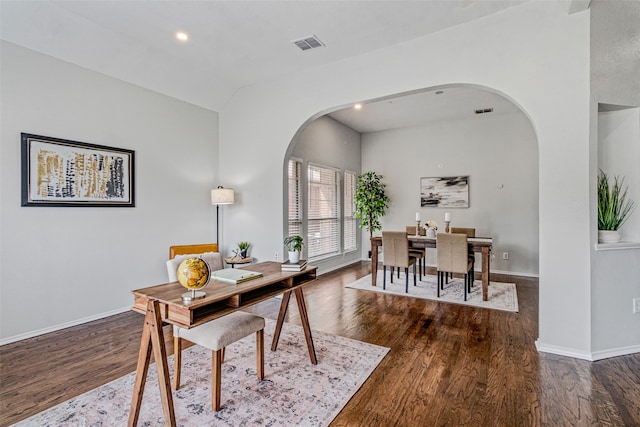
x=294, y=246
x=613, y=207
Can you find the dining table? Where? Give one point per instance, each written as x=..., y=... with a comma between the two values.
x=482, y=245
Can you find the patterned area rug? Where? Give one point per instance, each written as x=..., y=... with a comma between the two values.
x=293, y=393
x=502, y=296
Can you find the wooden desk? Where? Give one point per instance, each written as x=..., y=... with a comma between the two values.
x=476, y=244
x=163, y=304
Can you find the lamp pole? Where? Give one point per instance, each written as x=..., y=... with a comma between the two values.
x=221, y=196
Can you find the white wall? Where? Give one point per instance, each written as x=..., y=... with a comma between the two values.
x=327, y=142
x=493, y=151
x=615, y=56
x=60, y=266
x=535, y=54
x=615, y=147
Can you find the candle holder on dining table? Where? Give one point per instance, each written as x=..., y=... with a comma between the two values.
x=446, y=227
x=417, y=228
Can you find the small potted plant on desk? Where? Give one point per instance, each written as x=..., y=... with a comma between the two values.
x=613, y=208
x=243, y=247
x=294, y=246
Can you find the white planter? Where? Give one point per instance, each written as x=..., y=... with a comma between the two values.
x=608, y=236
x=294, y=257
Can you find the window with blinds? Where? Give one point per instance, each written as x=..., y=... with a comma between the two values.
x=295, y=197
x=323, y=216
x=349, y=223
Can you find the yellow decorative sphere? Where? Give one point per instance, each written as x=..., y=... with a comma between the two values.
x=193, y=273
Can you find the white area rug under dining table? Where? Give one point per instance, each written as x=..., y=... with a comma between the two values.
x=502, y=296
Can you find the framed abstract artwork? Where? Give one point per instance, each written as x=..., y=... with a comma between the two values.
x=445, y=192
x=59, y=172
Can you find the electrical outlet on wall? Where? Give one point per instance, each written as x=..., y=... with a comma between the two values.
x=276, y=256
x=505, y=255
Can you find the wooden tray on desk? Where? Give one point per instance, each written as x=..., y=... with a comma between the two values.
x=221, y=297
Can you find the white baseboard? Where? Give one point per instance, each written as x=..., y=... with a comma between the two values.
x=615, y=352
x=590, y=356
x=562, y=351
x=511, y=273
x=61, y=326
x=323, y=269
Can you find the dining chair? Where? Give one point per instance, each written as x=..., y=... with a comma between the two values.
x=452, y=257
x=395, y=247
x=419, y=253
x=470, y=232
x=216, y=334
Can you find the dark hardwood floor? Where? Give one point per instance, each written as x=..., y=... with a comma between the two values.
x=448, y=365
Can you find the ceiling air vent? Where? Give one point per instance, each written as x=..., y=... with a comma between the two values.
x=484, y=110
x=307, y=43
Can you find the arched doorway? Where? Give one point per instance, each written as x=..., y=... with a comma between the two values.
x=440, y=131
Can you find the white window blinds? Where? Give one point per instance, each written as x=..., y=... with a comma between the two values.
x=323, y=214
x=295, y=197
x=349, y=220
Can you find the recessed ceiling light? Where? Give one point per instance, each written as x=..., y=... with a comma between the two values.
x=182, y=36
x=357, y=106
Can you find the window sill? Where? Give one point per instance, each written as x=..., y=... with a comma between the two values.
x=617, y=246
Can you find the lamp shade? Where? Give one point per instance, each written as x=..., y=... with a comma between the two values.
x=222, y=196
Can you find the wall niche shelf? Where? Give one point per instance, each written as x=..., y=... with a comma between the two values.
x=617, y=246
x=618, y=153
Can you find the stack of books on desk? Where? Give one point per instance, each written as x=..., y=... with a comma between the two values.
x=231, y=275
x=299, y=266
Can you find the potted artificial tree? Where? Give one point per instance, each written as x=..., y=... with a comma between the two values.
x=613, y=207
x=294, y=246
x=371, y=201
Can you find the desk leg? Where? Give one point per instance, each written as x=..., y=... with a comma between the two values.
x=152, y=338
x=374, y=263
x=304, y=318
x=486, y=255
x=284, y=305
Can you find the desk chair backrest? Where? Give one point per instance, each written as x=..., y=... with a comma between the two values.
x=208, y=252
x=192, y=249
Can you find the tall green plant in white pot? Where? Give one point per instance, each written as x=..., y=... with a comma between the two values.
x=371, y=201
x=613, y=207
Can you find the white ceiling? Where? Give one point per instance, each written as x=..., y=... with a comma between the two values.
x=232, y=43
x=433, y=105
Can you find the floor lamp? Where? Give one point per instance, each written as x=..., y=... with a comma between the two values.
x=221, y=196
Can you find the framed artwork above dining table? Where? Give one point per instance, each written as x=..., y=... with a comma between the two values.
x=444, y=192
